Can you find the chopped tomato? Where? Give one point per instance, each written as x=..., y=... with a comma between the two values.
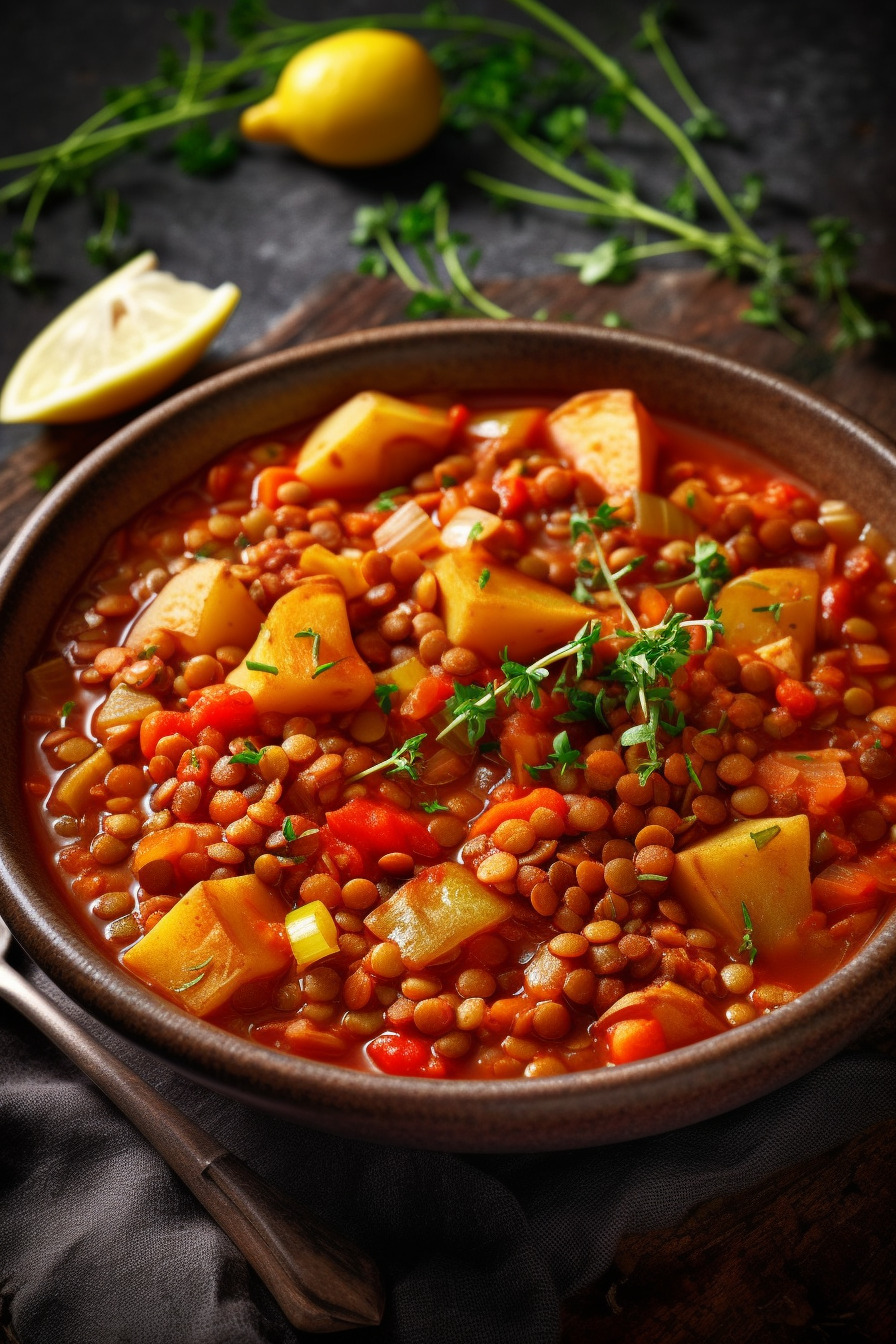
x=513, y=494
x=841, y=885
x=194, y=768
x=228, y=708
x=426, y=698
x=347, y=858
x=817, y=777
x=404, y=1056
x=381, y=828
x=795, y=697
x=635, y=1038
x=161, y=723
x=458, y=417
x=519, y=809
x=525, y=741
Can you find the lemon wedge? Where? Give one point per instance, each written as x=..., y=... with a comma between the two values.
x=124, y=340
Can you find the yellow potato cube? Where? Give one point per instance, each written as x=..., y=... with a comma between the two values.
x=71, y=792
x=762, y=863
x=610, y=440
x=767, y=606
x=316, y=559
x=220, y=935
x=435, y=912
x=123, y=705
x=286, y=669
x=512, y=611
x=204, y=607
x=370, y=443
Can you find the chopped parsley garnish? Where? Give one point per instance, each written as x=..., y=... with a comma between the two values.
x=383, y=696
x=289, y=830
x=690, y=499
x=148, y=651
x=385, y=500
x=447, y=481
x=248, y=756
x=46, y=476
x=564, y=755
x=263, y=667
x=434, y=807
x=762, y=838
x=242, y=541
x=201, y=968
x=475, y=533
x=774, y=609
x=67, y=709
x=746, y=943
x=710, y=570
x=692, y=772
x=204, y=551
x=804, y=758
x=484, y=577
x=315, y=643
x=325, y=667
x=605, y=518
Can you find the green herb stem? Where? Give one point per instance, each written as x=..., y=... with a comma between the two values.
x=458, y=276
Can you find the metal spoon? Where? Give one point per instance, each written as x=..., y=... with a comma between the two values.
x=322, y=1281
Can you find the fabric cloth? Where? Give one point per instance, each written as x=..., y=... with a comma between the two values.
x=101, y=1244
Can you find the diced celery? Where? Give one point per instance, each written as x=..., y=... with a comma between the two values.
x=312, y=933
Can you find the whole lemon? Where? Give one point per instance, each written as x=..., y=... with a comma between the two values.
x=356, y=99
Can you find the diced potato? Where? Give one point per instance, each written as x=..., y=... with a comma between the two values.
x=748, y=629
x=662, y=520
x=435, y=912
x=51, y=681
x=204, y=607
x=370, y=443
x=763, y=863
x=684, y=1016
x=512, y=611
x=71, y=792
x=609, y=438
x=699, y=502
x=316, y=559
x=123, y=705
x=404, y=675
x=297, y=685
x=785, y=655
x=220, y=935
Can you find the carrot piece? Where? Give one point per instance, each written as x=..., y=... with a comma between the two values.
x=519, y=809
x=268, y=482
x=635, y=1038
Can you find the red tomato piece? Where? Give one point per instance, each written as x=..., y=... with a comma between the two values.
x=381, y=828
x=795, y=697
x=193, y=768
x=348, y=858
x=842, y=885
x=458, y=417
x=268, y=482
x=427, y=697
x=230, y=709
x=514, y=496
x=404, y=1056
x=162, y=723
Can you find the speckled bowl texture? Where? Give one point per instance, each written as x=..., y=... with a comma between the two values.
x=808, y=436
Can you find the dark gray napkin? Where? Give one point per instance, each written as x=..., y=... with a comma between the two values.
x=100, y=1244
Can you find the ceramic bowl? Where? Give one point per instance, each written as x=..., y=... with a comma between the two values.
x=810, y=437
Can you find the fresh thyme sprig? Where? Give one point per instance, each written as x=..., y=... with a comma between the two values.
x=403, y=761
x=564, y=755
x=711, y=570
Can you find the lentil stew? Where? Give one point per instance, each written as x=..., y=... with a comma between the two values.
x=476, y=740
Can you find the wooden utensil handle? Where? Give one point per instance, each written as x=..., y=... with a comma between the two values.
x=322, y=1281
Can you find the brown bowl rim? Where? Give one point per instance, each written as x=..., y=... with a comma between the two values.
x=573, y=1110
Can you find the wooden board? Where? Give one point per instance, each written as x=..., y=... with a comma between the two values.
x=808, y=1255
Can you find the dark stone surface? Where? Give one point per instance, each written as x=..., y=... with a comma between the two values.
x=805, y=85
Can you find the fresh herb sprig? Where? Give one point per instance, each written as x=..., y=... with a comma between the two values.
x=403, y=761
x=710, y=571
x=746, y=943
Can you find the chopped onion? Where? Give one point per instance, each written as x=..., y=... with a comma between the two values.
x=407, y=529
x=469, y=525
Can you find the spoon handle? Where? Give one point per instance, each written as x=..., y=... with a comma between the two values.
x=322, y=1281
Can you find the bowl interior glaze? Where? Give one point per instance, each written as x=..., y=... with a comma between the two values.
x=807, y=435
